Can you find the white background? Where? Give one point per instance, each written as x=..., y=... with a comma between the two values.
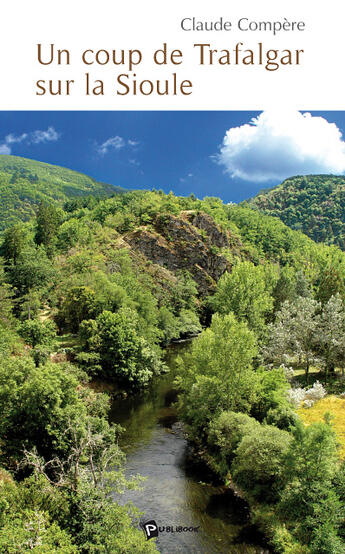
x=318, y=83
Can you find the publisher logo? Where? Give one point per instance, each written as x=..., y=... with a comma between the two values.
x=150, y=529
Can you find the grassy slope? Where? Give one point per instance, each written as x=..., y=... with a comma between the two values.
x=336, y=407
x=24, y=183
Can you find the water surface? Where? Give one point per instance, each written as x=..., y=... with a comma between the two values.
x=179, y=489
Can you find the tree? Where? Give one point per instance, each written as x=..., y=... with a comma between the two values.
x=30, y=304
x=36, y=332
x=305, y=323
x=126, y=357
x=258, y=464
x=272, y=389
x=71, y=232
x=217, y=374
x=225, y=433
x=309, y=501
x=98, y=524
x=339, y=485
x=32, y=531
x=331, y=331
x=33, y=270
x=80, y=303
x=13, y=243
x=48, y=221
x=331, y=282
x=66, y=505
x=37, y=406
x=94, y=456
x=294, y=332
x=302, y=285
x=244, y=293
x=6, y=299
x=10, y=342
x=184, y=292
x=285, y=288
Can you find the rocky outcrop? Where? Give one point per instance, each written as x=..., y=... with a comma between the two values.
x=216, y=236
x=176, y=243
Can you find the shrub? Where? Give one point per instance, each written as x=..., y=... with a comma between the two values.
x=282, y=417
x=37, y=406
x=225, y=433
x=258, y=465
x=125, y=357
x=36, y=332
x=271, y=392
x=306, y=397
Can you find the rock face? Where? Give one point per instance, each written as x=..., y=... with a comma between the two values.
x=216, y=236
x=188, y=242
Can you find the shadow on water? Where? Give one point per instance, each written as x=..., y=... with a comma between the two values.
x=179, y=490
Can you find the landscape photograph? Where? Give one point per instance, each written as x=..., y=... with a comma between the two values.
x=172, y=332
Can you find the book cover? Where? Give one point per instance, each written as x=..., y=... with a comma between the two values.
x=172, y=278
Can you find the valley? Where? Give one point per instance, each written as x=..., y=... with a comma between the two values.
x=99, y=289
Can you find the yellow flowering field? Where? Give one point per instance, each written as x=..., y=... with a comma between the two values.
x=336, y=407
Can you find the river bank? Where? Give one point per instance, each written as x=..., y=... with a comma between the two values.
x=180, y=490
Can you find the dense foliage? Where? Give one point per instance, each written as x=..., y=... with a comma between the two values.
x=25, y=183
x=56, y=440
x=95, y=288
x=314, y=204
x=291, y=474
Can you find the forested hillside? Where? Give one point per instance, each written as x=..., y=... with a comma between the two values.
x=96, y=290
x=314, y=204
x=24, y=183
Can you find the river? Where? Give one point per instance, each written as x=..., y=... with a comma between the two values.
x=179, y=490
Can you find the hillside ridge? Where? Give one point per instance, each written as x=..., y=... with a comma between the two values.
x=313, y=204
x=24, y=183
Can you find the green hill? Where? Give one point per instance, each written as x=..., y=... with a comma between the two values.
x=24, y=183
x=314, y=204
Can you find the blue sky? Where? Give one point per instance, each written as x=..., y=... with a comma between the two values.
x=226, y=154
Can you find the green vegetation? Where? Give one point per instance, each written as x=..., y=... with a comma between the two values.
x=96, y=289
x=25, y=183
x=244, y=292
x=114, y=341
x=56, y=440
x=251, y=436
x=314, y=204
x=224, y=352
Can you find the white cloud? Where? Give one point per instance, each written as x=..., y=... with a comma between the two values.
x=115, y=143
x=12, y=139
x=276, y=145
x=34, y=137
x=112, y=143
x=44, y=136
x=133, y=161
x=4, y=149
x=184, y=179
